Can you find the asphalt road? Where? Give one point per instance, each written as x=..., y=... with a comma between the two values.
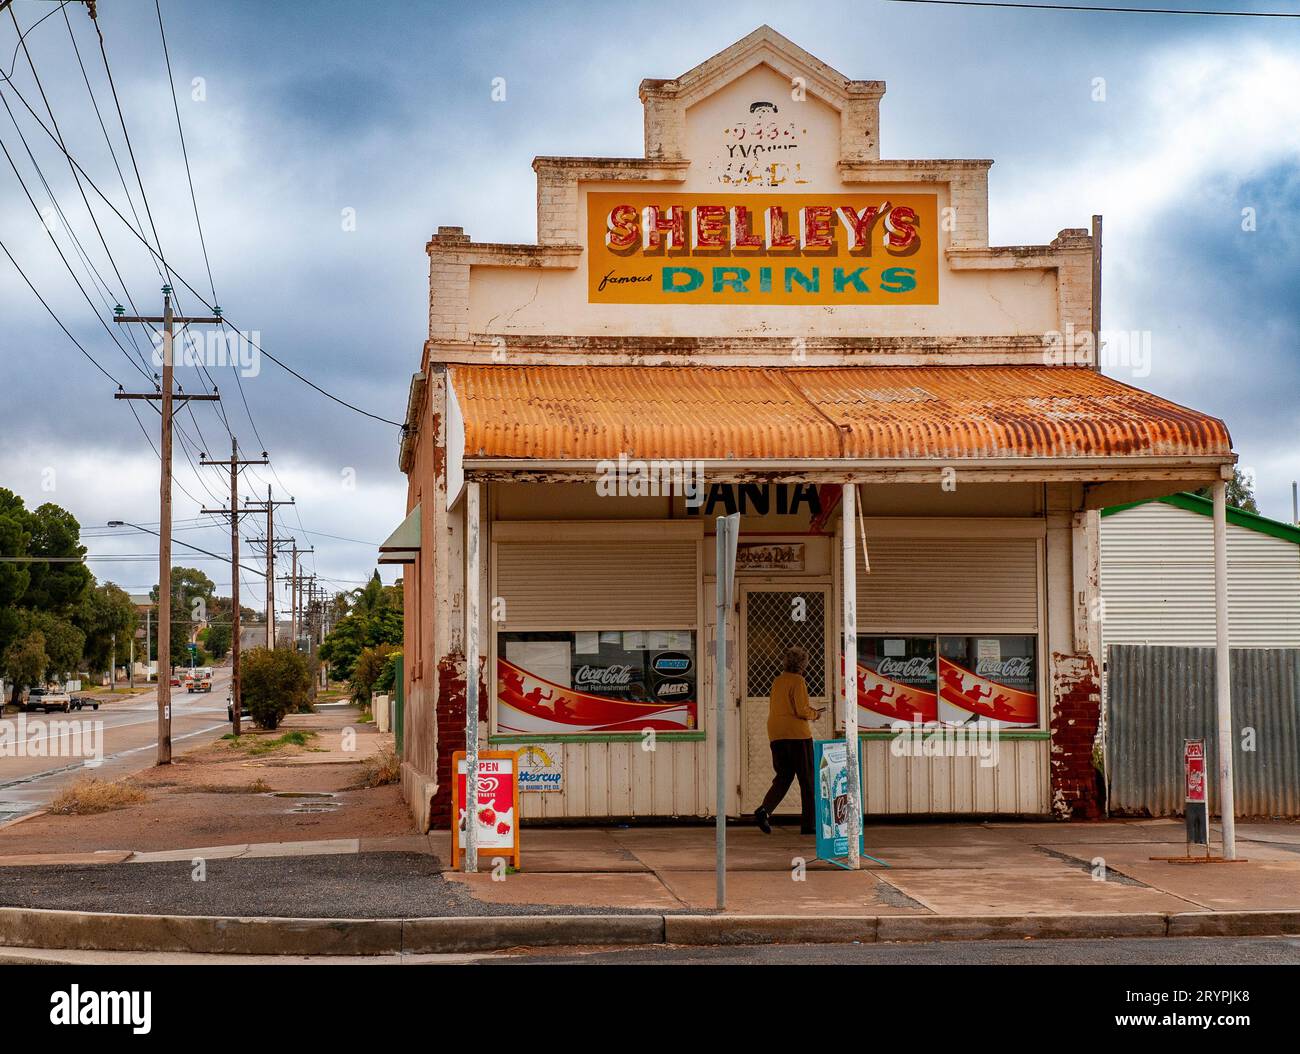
x=128, y=738
x=1178, y=951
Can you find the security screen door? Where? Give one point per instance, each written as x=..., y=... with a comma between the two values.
x=774, y=618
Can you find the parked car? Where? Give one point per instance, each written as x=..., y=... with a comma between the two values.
x=230, y=709
x=176, y=680
x=47, y=699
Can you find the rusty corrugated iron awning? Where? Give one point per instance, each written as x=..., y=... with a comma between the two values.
x=944, y=413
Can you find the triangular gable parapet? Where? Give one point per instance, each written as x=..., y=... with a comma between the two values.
x=858, y=102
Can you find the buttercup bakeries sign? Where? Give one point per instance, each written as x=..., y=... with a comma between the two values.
x=859, y=249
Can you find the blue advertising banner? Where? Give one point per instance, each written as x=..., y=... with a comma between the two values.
x=831, y=771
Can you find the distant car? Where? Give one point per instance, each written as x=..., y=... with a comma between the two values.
x=45, y=700
x=199, y=680
x=176, y=680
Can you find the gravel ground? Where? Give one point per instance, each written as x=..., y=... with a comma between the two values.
x=354, y=885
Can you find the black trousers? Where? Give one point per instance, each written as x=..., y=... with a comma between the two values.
x=793, y=759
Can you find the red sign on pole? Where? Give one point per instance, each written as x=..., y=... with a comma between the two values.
x=1194, y=769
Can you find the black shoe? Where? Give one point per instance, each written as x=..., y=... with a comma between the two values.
x=760, y=818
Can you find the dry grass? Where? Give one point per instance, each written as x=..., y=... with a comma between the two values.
x=381, y=769
x=258, y=786
x=88, y=796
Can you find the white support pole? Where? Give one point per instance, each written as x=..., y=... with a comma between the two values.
x=725, y=573
x=1223, y=672
x=849, y=586
x=471, y=676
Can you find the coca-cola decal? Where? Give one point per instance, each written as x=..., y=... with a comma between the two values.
x=896, y=680
x=602, y=677
x=993, y=678
x=556, y=681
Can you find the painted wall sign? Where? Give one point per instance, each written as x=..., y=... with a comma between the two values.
x=770, y=556
x=541, y=767
x=872, y=248
x=760, y=148
x=809, y=504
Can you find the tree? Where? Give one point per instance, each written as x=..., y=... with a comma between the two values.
x=275, y=681
x=63, y=642
x=192, y=598
x=40, y=597
x=56, y=586
x=346, y=641
x=106, y=613
x=368, y=668
x=25, y=661
x=387, y=678
x=1240, y=492
x=216, y=641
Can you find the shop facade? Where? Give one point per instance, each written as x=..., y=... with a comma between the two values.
x=761, y=316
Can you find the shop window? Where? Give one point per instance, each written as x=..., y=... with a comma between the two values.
x=956, y=680
x=585, y=682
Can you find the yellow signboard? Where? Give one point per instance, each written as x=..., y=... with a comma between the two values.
x=822, y=249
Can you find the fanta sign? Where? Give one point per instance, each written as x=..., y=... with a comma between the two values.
x=858, y=249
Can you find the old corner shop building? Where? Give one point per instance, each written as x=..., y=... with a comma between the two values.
x=763, y=298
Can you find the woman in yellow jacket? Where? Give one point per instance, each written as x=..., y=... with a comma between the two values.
x=789, y=727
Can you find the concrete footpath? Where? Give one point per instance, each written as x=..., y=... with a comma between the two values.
x=644, y=885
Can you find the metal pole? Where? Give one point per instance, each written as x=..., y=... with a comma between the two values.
x=235, y=704
x=1222, y=671
x=1295, y=503
x=130, y=670
x=720, y=717
x=728, y=533
x=848, y=551
x=471, y=677
x=165, y=546
x=112, y=667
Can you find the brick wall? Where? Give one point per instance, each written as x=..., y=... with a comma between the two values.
x=1076, y=714
x=450, y=720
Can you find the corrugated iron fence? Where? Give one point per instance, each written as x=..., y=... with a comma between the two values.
x=1159, y=696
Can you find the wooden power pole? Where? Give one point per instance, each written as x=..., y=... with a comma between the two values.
x=268, y=507
x=168, y=398
x=233, y=512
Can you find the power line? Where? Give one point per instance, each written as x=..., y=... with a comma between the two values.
x=56, y=318
x=80, y=189
x=1106, y=9
x=189, y=176
x=171, y=272
x=53, y=241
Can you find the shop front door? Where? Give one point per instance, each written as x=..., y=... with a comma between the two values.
x=773, y=618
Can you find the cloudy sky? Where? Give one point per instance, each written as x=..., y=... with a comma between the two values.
x=295, y=113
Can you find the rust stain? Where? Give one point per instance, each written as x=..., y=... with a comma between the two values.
x=944, y=413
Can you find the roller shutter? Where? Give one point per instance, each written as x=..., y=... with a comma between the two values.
x=598, y=584
x=955, y=585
